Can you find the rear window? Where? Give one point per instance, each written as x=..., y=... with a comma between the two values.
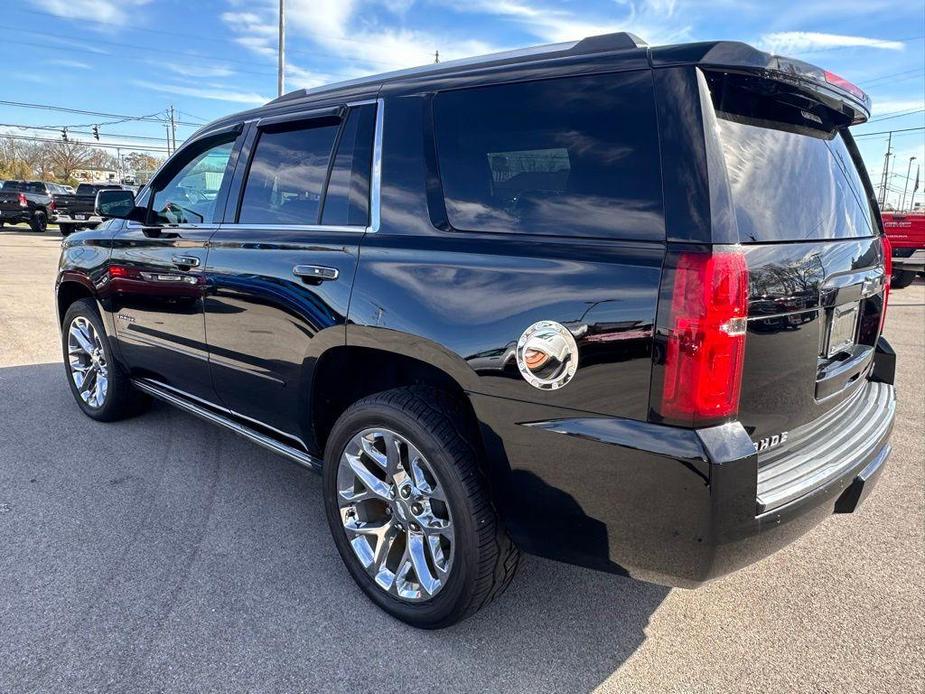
x=791, y=186
x=573, y=156
x=86, y=189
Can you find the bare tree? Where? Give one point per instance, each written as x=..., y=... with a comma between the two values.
x=67, y=157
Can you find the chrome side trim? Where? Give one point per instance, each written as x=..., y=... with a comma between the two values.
x=162, y=393
x=375, y=184
x=295, y=227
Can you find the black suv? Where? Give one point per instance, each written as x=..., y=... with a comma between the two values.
x=615, y=305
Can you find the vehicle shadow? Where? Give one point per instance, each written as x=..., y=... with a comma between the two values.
x=162, y=553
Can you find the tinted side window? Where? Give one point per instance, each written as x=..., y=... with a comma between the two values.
x=346, y=201
x=575, y=156
x=287, y=174
x=189, y=196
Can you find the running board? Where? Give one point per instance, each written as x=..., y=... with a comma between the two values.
x=263, y=440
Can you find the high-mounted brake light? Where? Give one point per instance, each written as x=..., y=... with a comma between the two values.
x=845, y=85
x=22, y=200
x=887, y=272
x=706, y=337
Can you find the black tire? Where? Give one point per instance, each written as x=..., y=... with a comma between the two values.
x=66, y=229
x=38, y=221
x=122, y=399
x=901, y=279
x=485, y=557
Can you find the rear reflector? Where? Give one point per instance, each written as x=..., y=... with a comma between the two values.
x=888, y=272
x=705, y=345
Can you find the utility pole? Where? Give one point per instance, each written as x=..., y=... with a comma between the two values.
x=173, y=129
x=167, y=128
x=915, y=187
x=902, y=204
x=281, y=77
x=886, y=169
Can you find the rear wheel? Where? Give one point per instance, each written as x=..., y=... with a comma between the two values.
x=409, y=510
x=66, y=229
x=38, y=222
x=102, y=390
x=901, y=279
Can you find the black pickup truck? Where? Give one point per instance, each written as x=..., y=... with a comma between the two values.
x=29, y=202
x=612, y=304
x=75, y=211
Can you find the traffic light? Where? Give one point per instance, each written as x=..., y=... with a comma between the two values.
x=96, y=132
x=64, y=134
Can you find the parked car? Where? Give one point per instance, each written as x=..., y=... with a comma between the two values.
x=906, y=234
x=28, y=202
x=559, y=301
x=75, y=212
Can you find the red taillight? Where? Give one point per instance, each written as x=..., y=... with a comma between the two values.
x=888, y=272
x=706, y=337
x=22, y=200
x=52, y=206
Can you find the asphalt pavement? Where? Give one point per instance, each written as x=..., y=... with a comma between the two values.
x=164, y=554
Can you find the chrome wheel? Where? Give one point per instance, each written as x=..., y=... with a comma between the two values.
x=394, y=510
x=87, y=362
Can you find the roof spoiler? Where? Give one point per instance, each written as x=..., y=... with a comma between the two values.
x=835, y=92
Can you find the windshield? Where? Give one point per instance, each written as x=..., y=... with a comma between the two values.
x=789, y=186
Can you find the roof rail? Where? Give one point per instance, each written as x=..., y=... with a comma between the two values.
x=593, y=44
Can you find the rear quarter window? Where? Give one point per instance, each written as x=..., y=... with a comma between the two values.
x=573, y=156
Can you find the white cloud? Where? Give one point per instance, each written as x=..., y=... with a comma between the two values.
x=801, y=41
x=117, y=12
x=74, y=64
x=895, y=105
x=214, y=92
x=193, y=69
x=647, y=19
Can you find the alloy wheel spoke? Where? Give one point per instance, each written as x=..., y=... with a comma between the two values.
x=370, y=450
x=367, y=478
x=428, y=582
x=85, y=344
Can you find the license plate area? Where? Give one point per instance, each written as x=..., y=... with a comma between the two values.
x=842, y=328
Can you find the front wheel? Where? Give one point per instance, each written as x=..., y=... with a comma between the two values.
x=39, y=222
x=102, y=390
x=410, y=512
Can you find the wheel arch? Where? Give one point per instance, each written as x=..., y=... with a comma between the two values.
x=72, y=287
x=347, y=373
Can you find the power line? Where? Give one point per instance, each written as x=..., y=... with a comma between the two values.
x=887, y=132
x=72, y=129
x=95, y=145
x=896, y=114
x=151, y=118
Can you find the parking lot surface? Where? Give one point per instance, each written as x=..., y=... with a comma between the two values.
x=162, y=553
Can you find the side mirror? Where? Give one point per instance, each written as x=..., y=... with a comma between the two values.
x=119, y=204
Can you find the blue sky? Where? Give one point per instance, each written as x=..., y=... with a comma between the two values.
x=212, y=57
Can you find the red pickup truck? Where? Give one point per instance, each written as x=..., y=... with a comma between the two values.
x=906, y=232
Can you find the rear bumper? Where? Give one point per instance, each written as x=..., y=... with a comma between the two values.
x=69, y=219
x=674, y=506
x=15, y=216
x=915, y=262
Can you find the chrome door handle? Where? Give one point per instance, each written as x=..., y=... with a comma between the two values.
x=315, y=273
x=185, y=261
